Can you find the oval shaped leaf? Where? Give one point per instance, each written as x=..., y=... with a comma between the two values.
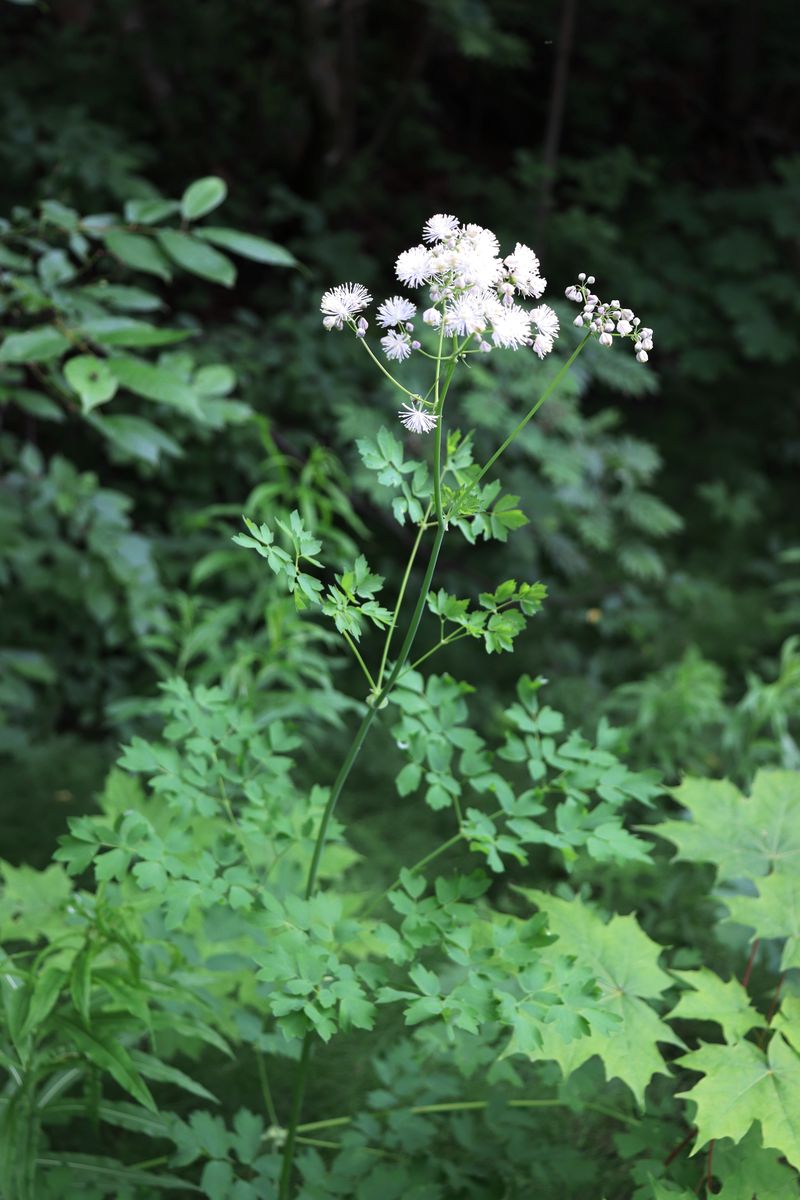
x=197, y=257
x=36, y=345
x=139, y=439
x=215, y=380
x=202, y=197
x=148, y=212
x=248, y=245
x=92, y=379
x=137, y=251
x=154, y=383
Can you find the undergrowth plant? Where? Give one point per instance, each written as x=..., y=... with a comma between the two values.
x=500, y=1033
x=96, y=369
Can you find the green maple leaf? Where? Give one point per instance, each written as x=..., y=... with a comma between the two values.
x=713, y=999
x=624, y=960
x=773, y=913
x=742, y=836
x=743, y=1085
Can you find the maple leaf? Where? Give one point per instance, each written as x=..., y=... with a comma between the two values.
x=773, y=913
x=715, y=999
x=624, y=960
x=743, y=1085
x=744, y=836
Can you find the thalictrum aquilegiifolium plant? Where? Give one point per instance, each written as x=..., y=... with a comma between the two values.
x=473, y=307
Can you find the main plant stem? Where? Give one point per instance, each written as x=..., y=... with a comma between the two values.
x=376, y=701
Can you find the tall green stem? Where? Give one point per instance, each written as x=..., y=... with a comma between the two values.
x=352, y=754
x=402, y=592
x=291, y=1133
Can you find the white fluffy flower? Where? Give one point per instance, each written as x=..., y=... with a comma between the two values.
x=483, y=239
x=439, y=227
x=522, y=267
x=545, y=320
x=475, y=261
x=511, y=326
x=396, y=345
x=395, y=311
x=542, y=344
x=340, y=304
x=466, y=314
x=414, y=267
x=417, y=419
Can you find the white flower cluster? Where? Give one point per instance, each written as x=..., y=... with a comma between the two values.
x=473, y=297
x=472, y=288
x=609, y=320
x=472, y=291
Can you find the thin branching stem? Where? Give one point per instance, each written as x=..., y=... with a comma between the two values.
x=548, y=391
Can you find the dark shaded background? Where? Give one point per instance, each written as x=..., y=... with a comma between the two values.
x=657, y=142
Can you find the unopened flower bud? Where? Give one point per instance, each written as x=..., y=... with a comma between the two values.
x=642, y=356
x=590, y=279
x=416, y=345
x=362, y=327
x=582, y=276
x=578, y=320
x=485, y=347
x=605, y=339
x=433, y=317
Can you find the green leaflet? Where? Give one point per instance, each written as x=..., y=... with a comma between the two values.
x=202, y=197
